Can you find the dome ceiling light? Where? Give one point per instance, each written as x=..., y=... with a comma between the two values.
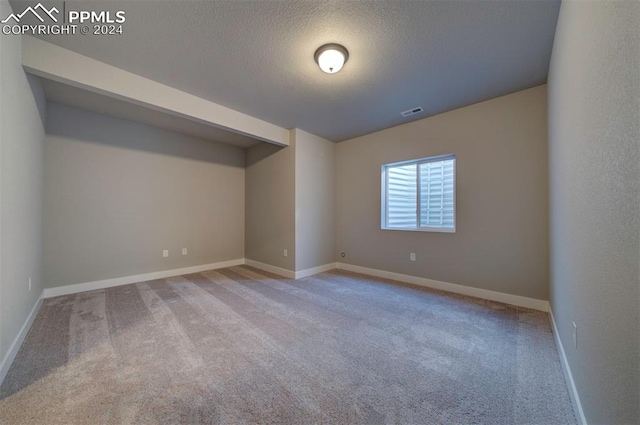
x=331, y=57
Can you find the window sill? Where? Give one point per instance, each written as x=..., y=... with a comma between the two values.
x=422, y=229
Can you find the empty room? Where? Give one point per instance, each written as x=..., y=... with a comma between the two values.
x=320, y=212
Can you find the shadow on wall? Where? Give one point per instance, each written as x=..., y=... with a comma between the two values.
x=73, y=123
x=259, y=152
x=36, y=89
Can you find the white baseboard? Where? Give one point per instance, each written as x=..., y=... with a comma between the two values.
x=486, y=294
x=17, y=342
x=108, y=283
x=315, y=270
x=573, y=391
x=288, y=273
x=271, y=269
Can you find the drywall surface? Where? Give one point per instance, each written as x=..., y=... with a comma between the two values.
x=501, y=241
x=594, y=161
x=270, y=205
x=22, y=108
x=118, y=193
x=315, y=200
x=56, y=63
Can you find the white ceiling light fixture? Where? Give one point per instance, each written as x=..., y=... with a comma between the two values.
x=331, y=57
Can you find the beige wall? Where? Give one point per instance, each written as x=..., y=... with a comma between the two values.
x=501, y=241
x=315, y=200
x=118, y=193
x=594, y=151
x=270, y=205
x=22, y=106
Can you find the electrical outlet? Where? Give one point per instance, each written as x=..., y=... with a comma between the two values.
x=575, y=335
x=184, y=251
x=29, y=284
x=165, y=253
x=286, y=253
x=412, y=256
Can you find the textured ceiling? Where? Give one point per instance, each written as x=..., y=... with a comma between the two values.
x=257, y=56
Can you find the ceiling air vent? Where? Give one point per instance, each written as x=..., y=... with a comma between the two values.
x=413, y=111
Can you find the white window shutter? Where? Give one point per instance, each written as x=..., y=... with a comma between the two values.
x=402, y=196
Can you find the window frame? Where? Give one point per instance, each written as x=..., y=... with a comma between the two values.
x=384, y=207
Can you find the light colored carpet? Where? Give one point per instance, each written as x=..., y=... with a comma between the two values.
x=241, y=346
